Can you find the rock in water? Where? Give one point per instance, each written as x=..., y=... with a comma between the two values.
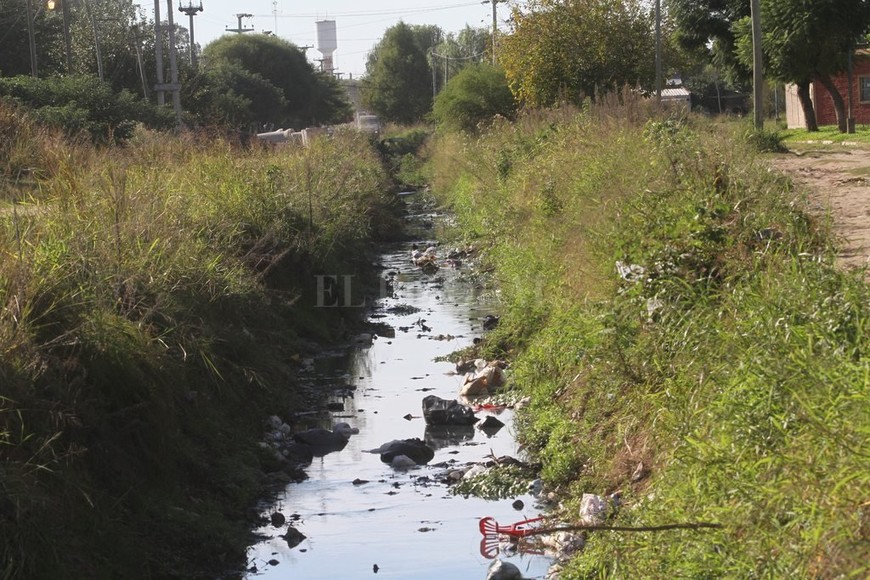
x=499, y=570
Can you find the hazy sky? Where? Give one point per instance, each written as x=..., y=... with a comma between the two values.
x=359, y=24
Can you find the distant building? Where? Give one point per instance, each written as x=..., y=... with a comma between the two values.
x=677, y=95
x=822, y=102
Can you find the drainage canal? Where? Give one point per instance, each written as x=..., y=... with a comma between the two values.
x=362, y=517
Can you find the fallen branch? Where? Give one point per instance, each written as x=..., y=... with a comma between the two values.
x=592, y=527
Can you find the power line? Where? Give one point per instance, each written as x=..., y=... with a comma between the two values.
x=372, y=12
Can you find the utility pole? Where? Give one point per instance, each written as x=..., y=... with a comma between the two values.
x=757, y=75
x=141, y=65
x=96, y=39
x=67, y=45
x=432, y=56
x=191, y=11
x=32, y=38
x=160, y=87
x=240, y=28
x=659, y=51
x=494, y=25
x=175, y=86
x=275, y=16
x=446, y=69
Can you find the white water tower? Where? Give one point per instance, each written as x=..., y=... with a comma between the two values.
x=327, y=42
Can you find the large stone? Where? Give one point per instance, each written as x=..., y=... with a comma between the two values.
x=414, y=449
x=499, y=570
x=321, y=441
x=438, y=411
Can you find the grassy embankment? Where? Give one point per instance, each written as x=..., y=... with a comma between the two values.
x=726, y=380
x=155, y=299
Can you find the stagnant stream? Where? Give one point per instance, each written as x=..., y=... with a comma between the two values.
x=363, y=518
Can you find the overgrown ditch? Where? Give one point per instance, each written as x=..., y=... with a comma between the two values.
x=357, y=514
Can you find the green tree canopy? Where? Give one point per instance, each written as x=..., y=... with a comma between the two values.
x=241, y=65
x=572, y=49
x=706, y=26
x=83, y=104
x=398, y=85
x=455, y=52
x=805, y=42
x=475, y=95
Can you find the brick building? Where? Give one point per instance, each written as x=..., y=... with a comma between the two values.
x=824, y=105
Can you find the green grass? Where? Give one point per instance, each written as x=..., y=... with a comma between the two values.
x=152, y=302
x=826, y=133
x=734, y=368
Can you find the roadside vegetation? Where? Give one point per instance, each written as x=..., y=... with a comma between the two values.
x=155, y=301
x=674, y=314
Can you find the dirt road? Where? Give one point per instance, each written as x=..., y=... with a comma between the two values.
x=838, y=178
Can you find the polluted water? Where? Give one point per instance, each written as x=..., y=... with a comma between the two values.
x=356, y=516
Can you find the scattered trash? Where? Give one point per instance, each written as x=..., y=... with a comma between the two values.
x=487, y=380
x=593, y=509
x=489, y=527
x=438, y=411
x=630, y=272
x=413, y=449
x=490, y=321
x=639, y=472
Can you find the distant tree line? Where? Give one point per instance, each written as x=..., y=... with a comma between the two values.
x=552, y=51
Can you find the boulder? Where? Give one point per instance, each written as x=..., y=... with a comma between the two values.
x=499, y=570
x=490, y=425
x=293, y=537
x=414, y=449
x=438, y=411
x=321, y=441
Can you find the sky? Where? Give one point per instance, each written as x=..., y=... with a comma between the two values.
x=359, y=25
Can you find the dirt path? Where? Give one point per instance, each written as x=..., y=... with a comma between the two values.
x=838, y=178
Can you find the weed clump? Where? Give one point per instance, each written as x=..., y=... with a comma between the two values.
x=153, y=299
x=674, y=315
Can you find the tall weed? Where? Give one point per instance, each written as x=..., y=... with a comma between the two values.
x=152, y=300
x=672, y=311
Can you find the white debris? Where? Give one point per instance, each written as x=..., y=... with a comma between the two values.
x=593, y=509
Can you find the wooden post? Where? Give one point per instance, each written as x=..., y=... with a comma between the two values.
x=757, y=74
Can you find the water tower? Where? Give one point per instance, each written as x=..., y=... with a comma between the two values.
x=326, y=44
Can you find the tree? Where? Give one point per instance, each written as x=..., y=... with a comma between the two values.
x=805, y=42
x=475, y=95
x=309, y=98
x=707, y=26
x=83, y=104
x=15, y=42
x=455, y=52
x=573, y=49
x=398, y=85
x=228, y=95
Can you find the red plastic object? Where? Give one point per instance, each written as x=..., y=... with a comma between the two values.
x=490, y=527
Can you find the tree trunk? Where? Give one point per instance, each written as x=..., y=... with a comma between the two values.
x=839, y=104
x=803, y=92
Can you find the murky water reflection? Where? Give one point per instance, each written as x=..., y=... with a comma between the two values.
x=398, y=524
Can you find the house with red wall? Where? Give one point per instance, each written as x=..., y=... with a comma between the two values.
x=822, y=102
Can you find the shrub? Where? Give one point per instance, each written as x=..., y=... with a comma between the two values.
x=474, y=96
